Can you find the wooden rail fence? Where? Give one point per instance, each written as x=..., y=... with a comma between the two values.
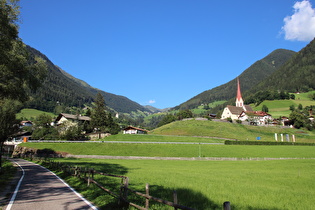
x=88, y=176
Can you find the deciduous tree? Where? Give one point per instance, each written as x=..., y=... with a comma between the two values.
x=19, y=73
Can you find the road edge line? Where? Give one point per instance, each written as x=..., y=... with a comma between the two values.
x=16, y=189
x=73, y=190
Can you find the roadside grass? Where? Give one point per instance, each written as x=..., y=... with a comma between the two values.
x=8, y=171
x=31, y=114
x=178, y=150
x=276, y=184
x=230, y=130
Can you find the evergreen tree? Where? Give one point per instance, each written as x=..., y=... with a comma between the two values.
x=99, y=116
x=100, y=119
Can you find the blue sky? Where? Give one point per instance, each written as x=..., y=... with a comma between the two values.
x=163, y=52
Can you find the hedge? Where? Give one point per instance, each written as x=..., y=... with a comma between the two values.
x=230, y=142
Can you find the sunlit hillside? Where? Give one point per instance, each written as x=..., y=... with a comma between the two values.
x=230, y=130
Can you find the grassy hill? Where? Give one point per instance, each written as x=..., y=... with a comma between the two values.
x=278, y=108
x=30, y=114
x=230, y=130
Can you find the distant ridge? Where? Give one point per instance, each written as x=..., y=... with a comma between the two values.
x=61, y=88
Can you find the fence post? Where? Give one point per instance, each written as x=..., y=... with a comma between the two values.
x=123, y=191
x=226, y=205
x=147, y=204
x=126, y=188
x=175, y=198
x=89, y=177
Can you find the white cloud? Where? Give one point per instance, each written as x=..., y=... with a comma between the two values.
x=301, y=25
x=151, y=101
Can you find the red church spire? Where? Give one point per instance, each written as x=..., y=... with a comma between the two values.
x=239, y=99
x=239, y=95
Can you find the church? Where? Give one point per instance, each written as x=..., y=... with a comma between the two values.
x=235, y=112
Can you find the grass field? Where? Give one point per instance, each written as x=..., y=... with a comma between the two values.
x=178, y=150
x=230, y=130
x=278, y=108
x=200, y=184
x=277, y=184
x=31, y=114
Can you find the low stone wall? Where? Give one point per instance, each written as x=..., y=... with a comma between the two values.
x=28, y=152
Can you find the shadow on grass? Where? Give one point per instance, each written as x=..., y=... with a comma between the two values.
x=115, y=169
x=185, y=197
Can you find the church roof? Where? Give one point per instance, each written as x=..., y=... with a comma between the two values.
x=235, y=110
x=248, y=108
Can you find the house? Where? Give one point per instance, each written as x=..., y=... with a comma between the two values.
x=25, y=123
x=256, y=117
x=234, y=112
x=70, y=118
x=134, y=130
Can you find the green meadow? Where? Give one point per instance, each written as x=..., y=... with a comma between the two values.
x=278, y=108
x=285, y=182
x=31, y=114
x=231, y=131
x=178, y=150
x=273, y=184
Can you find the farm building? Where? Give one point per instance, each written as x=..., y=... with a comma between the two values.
x=73, y=119
x=134, y=130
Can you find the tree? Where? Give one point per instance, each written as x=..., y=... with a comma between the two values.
x=100, y=119
x=168, y=118
x=42, y=128
x=264, y=108
x=182, y=114
x=298, y=119
x=99, y=116
x=300, y=107
x=19, y=72
x=7, y=122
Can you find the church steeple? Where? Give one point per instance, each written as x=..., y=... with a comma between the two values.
x=239, y=100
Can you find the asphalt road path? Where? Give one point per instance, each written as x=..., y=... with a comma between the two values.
x=39, y=188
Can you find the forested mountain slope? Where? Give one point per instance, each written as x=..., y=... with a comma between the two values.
x=63, y=89
x=296, y=75
x=257, y=72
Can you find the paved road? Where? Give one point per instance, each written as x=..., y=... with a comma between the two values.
x=41, y=189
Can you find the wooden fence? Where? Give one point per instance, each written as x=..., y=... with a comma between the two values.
x=88, y=176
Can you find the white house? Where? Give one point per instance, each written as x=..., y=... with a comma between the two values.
x=256, y=117
x=70, y=118
x=134, y=130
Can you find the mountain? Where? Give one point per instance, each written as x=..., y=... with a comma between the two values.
x=156, y=110
x=61, y=88
x=256, y=73
x=296, y=75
